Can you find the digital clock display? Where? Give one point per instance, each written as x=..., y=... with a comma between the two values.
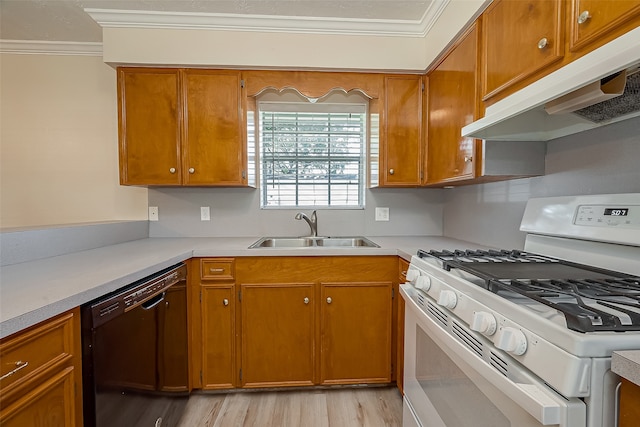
x=616, y=211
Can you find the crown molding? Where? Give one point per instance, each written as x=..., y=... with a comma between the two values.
x=39, y=47
x=111, y=18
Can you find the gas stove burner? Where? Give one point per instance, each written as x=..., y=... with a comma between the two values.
x=591, y=299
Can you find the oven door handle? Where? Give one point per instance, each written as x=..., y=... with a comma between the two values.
x=540, y=402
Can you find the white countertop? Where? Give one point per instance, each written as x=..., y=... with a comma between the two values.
x=627, y=365
x=34, y=291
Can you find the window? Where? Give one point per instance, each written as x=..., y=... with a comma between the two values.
x=312, y=154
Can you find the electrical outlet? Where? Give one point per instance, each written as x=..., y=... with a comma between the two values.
x=205, y=213
x=382, y=214
x=153, y=213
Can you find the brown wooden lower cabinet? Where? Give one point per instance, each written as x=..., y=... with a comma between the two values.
x=356, y=332
x=277, y=334
x=268, y=322
x=629, y=404
x=403, y=266
x=41, y=381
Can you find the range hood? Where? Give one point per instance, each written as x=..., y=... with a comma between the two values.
x=599, y=88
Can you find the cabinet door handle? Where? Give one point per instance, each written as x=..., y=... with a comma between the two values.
x=584, y=17
x=225, y=302
x=542, y=43
x=329, y=300
x=19, y=365
x=216, y=270
x=192, y=170
x=306, y=300
x=172, y=170
x=391, y=171
x=468, y=159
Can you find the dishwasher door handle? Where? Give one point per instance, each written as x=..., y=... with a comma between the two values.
x=149, y=304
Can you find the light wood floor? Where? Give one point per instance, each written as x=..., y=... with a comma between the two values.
x=343, y=407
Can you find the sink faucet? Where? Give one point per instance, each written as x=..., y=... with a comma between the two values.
x=313, y=222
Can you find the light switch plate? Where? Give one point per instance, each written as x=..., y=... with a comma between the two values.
x=153, y=213
x=205, y=213
x=382, y=214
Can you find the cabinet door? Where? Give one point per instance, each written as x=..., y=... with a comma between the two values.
x=277, y=334
x=629, y=404
x=214, y=148
x=218, y=336
x=402, y=145
x=520, y=38
x=355, y=333
x=594, y=20
x=453, y=104
x=173, y=363
x=149, y=134
x=49, y=403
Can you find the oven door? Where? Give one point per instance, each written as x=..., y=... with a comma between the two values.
x=446, y=384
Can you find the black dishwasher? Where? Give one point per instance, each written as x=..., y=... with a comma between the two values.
x=135, y=354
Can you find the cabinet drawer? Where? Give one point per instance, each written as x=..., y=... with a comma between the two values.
x=217, y=269
x=35, y=351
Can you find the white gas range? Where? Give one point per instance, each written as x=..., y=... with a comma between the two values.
x=528, y=334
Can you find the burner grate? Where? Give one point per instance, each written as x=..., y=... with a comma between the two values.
x=590, y=298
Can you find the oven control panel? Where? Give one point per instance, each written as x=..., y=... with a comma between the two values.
x=619, y=216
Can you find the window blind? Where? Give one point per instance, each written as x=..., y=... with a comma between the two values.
x=312, y=155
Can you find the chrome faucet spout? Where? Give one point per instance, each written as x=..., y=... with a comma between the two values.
x=313, y=222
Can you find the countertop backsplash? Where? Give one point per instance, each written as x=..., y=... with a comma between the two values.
x=235, y=212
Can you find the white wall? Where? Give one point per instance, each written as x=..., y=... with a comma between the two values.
x=236, y=212
x=59, y=143
x=600, y=161
x=268, y=48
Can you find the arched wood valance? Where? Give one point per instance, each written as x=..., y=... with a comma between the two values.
x=313, y=84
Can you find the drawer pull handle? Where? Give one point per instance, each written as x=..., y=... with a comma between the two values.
x=19, y=365
x=216, y=270
x=225, y=302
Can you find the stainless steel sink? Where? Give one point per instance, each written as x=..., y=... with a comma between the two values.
x=310, y=242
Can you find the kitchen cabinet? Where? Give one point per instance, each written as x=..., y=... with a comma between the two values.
x=41, y=379
x=214, y=133
x=401, y=145
x=315, y=320
x=629, y=404
x=149, y=117
x=181, y=127
x=452, y=104
x=277, y=334
x=519, y=38
x=356, y=332
x=403, y=267
x=523, y=41
x=595, y=22
x=213, y=326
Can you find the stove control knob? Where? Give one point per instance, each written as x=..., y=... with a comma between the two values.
x=423, y=283
x=512, y=340
x=447, y=299
x=412, y=275
x=483, y=322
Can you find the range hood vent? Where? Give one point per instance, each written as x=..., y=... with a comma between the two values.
x=623, y=105
x=599, y=88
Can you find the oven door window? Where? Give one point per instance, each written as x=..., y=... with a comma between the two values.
x=447, y=385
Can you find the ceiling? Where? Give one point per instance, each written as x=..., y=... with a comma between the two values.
x=66, y=20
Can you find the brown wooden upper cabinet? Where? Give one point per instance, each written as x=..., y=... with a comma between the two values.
x=402, y=140
x=452, y=104
x=595, y=22
x=519, y=39
x=181, y=127
x=525, y=40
